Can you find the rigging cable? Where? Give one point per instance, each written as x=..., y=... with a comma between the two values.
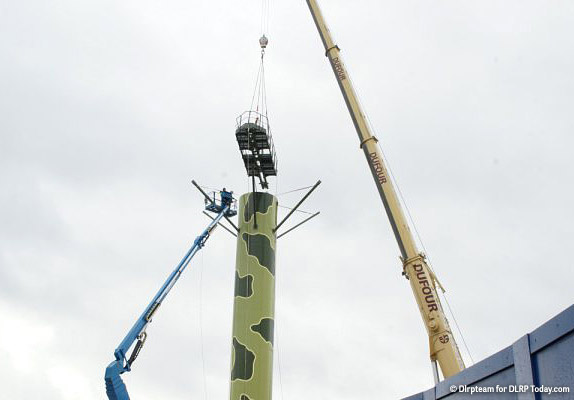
x=201, y=325
x=430, y=264
x=259, y=98
x=297, y=210
x=276, y=345
x=264, y=16
x=263, y=42
x=295, y=190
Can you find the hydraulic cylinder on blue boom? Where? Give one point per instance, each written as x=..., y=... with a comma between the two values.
x=115, y=387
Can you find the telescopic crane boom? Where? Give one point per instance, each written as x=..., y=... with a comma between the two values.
x=443, y=348
x=115, y=387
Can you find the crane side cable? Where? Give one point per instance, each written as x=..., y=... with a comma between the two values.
x=411, y=219
x=372, y=128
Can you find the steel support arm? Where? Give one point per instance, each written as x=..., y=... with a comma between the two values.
x=297, y=206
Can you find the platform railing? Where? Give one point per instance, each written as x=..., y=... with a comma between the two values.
x=255, y=117
x=216, y=200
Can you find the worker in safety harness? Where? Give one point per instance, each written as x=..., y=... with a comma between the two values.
x=226, y=198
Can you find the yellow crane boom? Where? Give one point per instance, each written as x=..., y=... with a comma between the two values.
x=443, y=348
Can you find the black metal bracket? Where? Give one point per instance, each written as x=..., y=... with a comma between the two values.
x=297, y=206
x=202, y=191
x=299, y=224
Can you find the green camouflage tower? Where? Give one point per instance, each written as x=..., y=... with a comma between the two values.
x=254, y=304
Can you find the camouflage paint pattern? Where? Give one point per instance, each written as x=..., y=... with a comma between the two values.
x=254, y=304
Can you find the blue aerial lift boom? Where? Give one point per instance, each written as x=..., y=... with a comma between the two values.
x=115, y=387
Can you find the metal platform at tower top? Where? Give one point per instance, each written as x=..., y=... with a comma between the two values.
x=256, y=146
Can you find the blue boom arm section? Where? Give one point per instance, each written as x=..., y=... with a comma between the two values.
x=115, y=387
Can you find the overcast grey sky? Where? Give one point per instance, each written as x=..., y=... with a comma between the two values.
x=109, y=108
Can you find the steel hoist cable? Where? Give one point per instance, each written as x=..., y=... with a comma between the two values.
x=259, y=99
x=201, y=325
